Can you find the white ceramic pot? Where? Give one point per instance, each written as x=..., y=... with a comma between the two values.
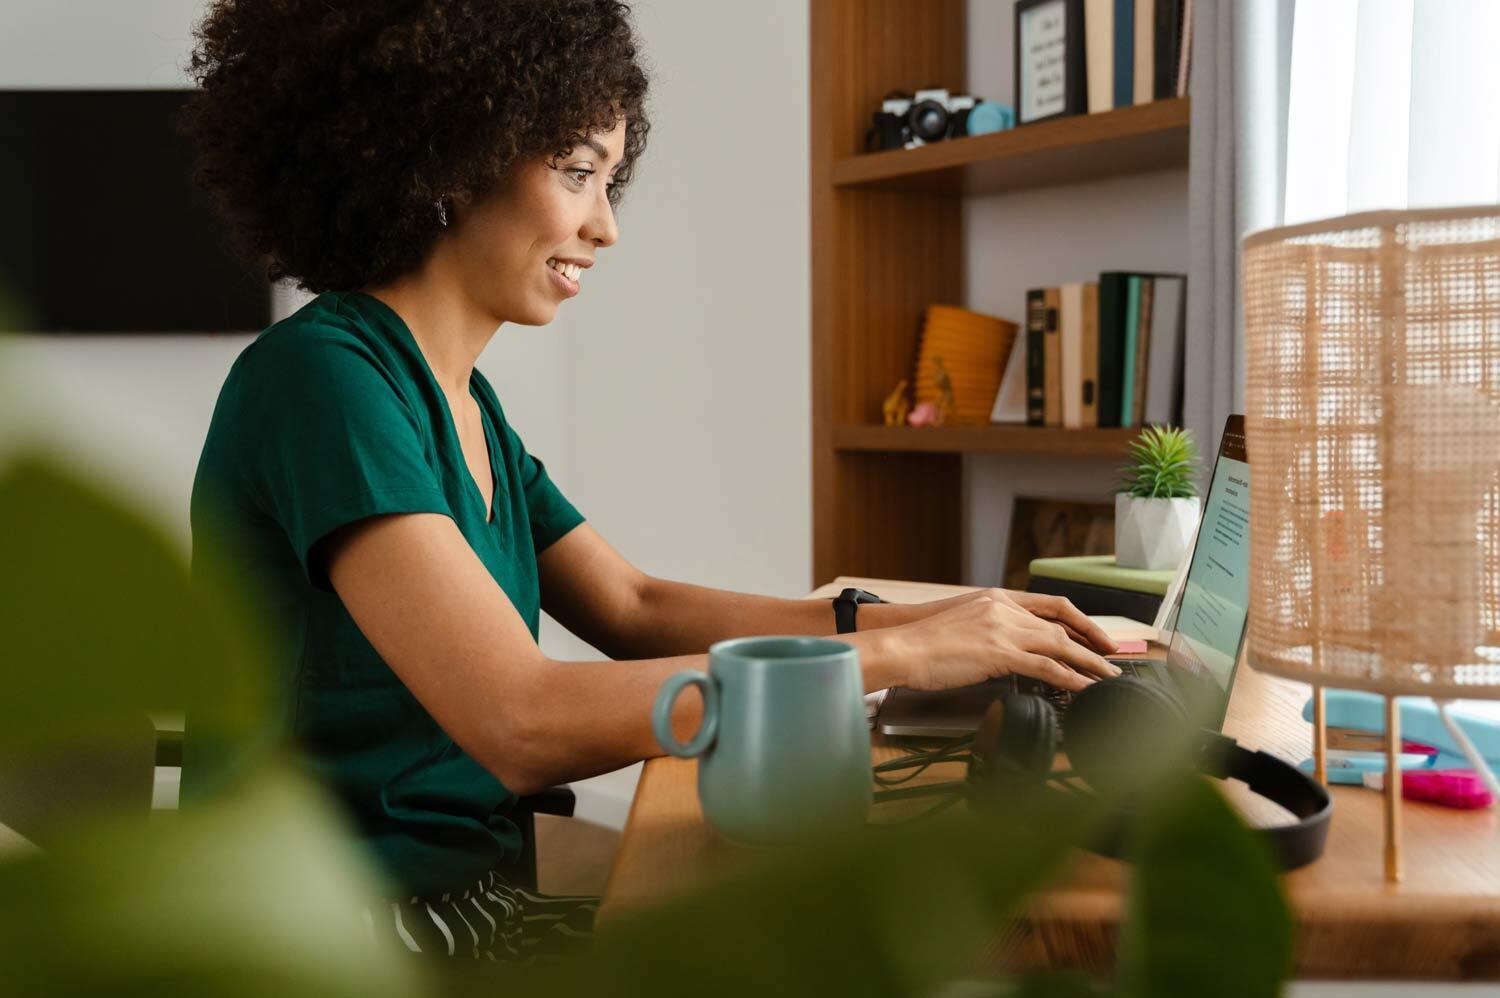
x=1153, y=533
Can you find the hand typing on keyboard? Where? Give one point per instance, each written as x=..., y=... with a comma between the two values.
x=988, y=637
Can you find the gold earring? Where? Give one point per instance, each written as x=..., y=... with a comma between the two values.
x=442, y=212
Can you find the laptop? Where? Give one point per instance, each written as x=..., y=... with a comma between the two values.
x=1206, y=623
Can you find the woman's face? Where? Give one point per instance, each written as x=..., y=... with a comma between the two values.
x=521, y=249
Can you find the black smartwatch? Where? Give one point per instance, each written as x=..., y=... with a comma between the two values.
x=846, y=603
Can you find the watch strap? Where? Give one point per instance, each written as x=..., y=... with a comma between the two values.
x=846, y=606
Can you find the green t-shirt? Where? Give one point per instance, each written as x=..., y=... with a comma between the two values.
x=330, y=416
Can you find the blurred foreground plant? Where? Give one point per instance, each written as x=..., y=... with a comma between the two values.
x=260, y=891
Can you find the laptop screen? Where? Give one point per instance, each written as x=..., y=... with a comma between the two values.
x=1215, y=599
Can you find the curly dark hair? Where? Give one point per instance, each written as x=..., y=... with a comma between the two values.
x=327, y=129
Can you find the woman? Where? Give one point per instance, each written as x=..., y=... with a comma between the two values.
x=436, y=170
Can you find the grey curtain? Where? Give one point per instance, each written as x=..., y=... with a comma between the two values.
x=1236, y=171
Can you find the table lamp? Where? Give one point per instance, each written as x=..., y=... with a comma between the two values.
x=1373, y=424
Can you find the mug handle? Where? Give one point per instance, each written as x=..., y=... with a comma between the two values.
x=661, y=713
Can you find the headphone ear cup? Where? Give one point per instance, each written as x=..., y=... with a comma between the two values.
x=1018, y=736
x=1124, y=731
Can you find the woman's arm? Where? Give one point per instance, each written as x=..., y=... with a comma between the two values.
x=427, y=604
x=436, y=616
x=594, y=592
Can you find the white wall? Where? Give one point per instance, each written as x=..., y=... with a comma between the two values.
x=670, y=399
x=1039, y=238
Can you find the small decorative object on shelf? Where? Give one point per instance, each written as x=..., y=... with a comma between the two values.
x=1156, y=510
x=910, y=120
x=946, y=406
x=1050, y=79
x=896, y=405
x=989, y=116
x=925, y=414
x=960, y=361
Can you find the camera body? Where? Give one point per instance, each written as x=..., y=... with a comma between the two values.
x=909, y=120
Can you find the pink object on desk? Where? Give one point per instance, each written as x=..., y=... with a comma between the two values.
x=1461, y=788
x=1130, y=646
x=1450, y=787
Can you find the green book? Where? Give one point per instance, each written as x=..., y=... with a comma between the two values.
x=1101, y=570
x=1132, y=332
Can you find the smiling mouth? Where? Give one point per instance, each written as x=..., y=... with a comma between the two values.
x=565, y=276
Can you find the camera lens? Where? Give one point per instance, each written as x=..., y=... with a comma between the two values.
x=929, y=121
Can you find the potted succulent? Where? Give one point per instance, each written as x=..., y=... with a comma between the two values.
x=1156, y=509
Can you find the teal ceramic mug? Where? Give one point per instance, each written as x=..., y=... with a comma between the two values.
x=784, y=748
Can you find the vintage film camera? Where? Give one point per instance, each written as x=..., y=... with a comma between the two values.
x=907, y=120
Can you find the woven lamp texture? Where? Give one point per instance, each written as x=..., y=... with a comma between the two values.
x=1373, y=425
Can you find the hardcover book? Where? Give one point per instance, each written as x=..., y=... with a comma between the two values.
x=1036, y=371
x=1052, y=362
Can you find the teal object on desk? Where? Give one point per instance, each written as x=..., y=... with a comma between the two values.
x=1419, y=723
x=784, y=748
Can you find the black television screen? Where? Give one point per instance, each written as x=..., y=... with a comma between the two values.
x=103, y=229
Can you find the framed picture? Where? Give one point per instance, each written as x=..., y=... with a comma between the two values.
x=1055, y=528
x=1049, y=61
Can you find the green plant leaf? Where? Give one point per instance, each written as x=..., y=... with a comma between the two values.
x=1164, y=464
x=256, y=893
x=1205, y=914
x=102, y=624
x=1059, y=984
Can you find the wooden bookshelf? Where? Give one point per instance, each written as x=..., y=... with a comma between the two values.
x=1083, y=147
x=984, y=440
x=887, y=241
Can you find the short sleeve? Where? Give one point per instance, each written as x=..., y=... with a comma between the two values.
x=332, y=441
x=552, y=515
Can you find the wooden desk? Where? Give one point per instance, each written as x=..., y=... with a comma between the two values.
x=1441, y=922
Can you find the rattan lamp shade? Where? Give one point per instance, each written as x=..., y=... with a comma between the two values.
x=1373, y=426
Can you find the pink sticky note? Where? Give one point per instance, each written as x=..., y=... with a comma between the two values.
x=1130, y=646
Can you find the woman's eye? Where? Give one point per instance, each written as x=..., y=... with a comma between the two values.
x=580, y=177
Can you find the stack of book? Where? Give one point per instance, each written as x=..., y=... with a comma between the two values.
x=1136, y=51
x=1098, y=354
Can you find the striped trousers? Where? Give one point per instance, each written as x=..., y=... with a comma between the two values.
x=490, y=920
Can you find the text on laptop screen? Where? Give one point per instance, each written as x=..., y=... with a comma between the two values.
x=1216, y=593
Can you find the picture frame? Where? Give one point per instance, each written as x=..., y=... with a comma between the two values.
x=1050, y=527
x=1050, y=77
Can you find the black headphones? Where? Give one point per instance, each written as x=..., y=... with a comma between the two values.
x=1117, y=729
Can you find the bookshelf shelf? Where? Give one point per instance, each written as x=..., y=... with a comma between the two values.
x=998, y=439
x=1128, y=140
x=888, y=239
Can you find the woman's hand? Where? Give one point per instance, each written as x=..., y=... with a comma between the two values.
x=980, y=636
x=1055, y=608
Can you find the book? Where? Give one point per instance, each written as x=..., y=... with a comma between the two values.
x=1010, y=400
x=1052, y=361
x=1036, y=373
x=1124, y=60
x=1070, y=335
x=1164, y=373
x=1112, y=287
x=1143, y=85
x=1098, y=53
x=1131, y=326
x=1091, y=354
x=1166, y=45
x=1142, y=350
x=1185, y=49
